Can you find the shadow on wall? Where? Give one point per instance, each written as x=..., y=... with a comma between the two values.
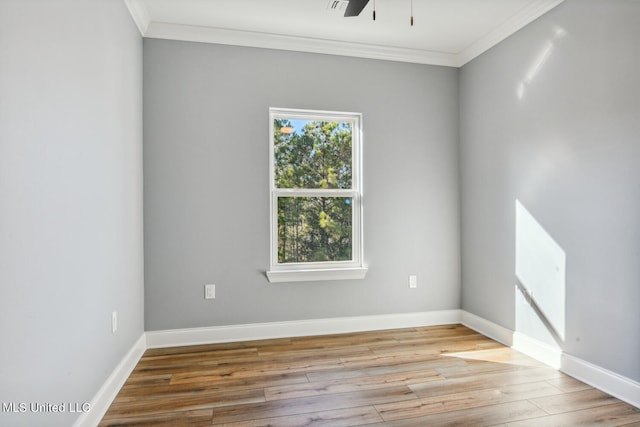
x=540, y=282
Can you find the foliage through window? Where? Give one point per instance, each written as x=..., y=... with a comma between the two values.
x=315, y=190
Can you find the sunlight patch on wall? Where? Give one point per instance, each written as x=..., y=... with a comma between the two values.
x=539, y=61
x=540, y=281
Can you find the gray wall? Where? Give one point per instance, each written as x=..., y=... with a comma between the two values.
x=70, y=200
x=551, y=117
x=207, y=194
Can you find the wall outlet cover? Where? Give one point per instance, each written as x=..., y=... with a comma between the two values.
x=209, y=291
x=413, y=281
x=114, y=322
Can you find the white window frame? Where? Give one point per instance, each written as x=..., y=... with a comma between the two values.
x=330, y=270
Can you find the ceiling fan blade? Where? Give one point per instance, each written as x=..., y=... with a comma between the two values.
x=355, y=7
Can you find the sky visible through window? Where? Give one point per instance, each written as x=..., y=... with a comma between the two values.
x=298, y=124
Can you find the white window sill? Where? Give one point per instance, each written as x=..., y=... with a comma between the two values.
x=277, y=276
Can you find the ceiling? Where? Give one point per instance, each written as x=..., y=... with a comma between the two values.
x=445, y=32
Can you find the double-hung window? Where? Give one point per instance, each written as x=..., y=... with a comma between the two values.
x=316, y=195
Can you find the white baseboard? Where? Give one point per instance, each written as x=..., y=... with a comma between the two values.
x=257, y=331
x=487, y=328
x=103, y=398
x=616, y=385
x=538, y=350
x=217, y=334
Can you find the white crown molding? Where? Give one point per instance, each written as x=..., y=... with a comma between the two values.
x=510, y=27
x=109, y=390
x=140, y=15
x=173, y=31
x=161, y=30
x=297, y=328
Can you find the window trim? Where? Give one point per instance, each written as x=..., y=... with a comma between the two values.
x=318, y=271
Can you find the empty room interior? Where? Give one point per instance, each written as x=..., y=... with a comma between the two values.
x=490, y=197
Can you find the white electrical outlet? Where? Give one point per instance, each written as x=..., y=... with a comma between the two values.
x=413, y=281
x=114, y=322
x=209, y=291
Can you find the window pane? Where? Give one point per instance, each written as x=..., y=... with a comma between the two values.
x=312, y=154
x=314, y=229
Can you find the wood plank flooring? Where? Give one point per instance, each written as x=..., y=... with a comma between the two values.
x=432, y=376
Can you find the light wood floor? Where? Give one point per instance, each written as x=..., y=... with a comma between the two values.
x=434, y=376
